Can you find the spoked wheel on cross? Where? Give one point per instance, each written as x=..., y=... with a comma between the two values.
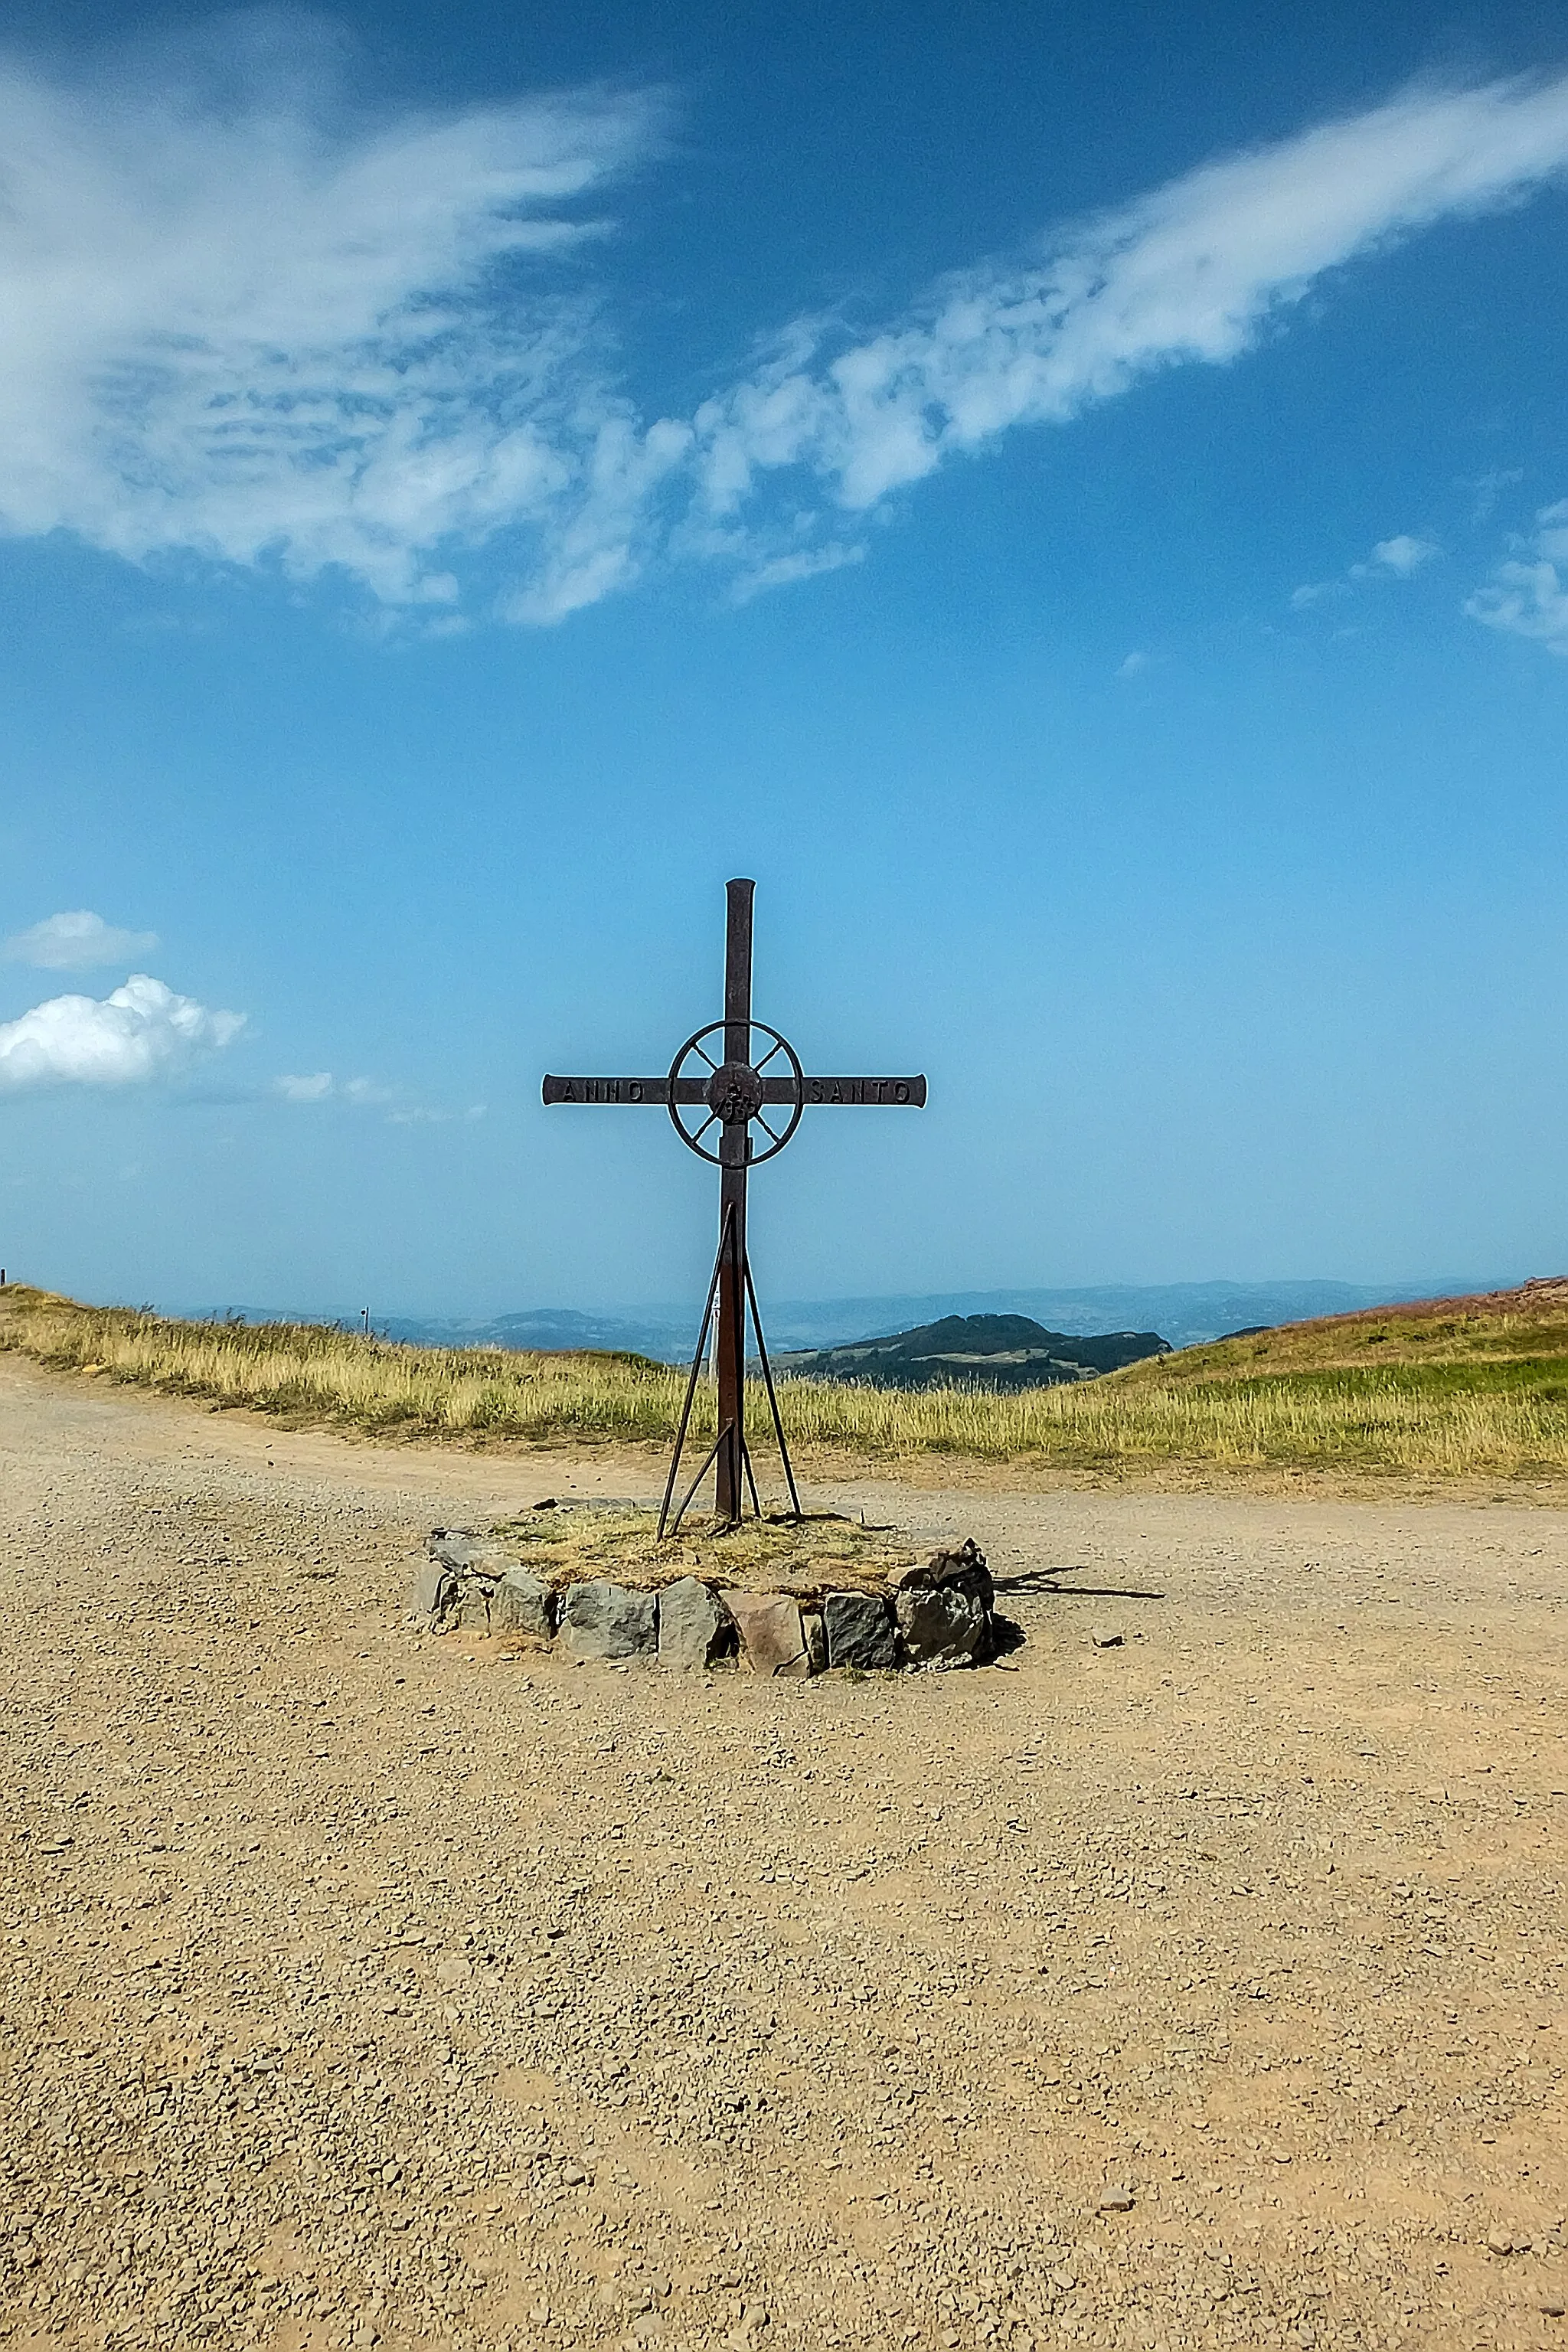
x=736, y=1093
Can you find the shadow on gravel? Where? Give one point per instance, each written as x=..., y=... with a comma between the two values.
x=1045, y=1580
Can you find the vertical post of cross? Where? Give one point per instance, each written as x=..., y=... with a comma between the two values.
x=734, y=1154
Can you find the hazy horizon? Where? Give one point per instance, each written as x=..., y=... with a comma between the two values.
x=1183, y=1313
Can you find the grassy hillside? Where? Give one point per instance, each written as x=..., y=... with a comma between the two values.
x=1508, y=1340
x=1456, y=1391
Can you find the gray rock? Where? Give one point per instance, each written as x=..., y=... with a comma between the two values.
x=522, y=1604
x=773, y=1639
x=944, y=1625
x=481, y=1584
x=606, y=1621
x=492, y=1556
x=434, y=1586
x=1106, y=1637
x=693, y=1630
x=964, y=1568
x=815, y=1634
x=860, y=1632
x=481, y=1555
x=471, y=1613
x=453, y=1547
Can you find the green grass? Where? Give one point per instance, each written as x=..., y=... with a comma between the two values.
x=1474, y=1392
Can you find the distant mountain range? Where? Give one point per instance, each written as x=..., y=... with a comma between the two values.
x=1183, y=1313
x=985, y=1351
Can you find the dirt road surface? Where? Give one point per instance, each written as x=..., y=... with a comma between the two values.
x=362, y=1988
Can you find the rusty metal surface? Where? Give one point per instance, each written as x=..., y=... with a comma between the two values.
x=736, y=1094
x=857, y=1094
x=729, y=1091
x=653, y=1093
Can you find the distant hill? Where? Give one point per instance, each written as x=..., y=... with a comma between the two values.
x=1184, y=1313
x=1188, y=1314
x=988, y=1352
x=666, y=1338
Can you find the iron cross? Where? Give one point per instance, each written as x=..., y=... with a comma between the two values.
x=715, y=1098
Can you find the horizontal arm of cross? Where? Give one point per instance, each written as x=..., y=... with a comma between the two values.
x=896, y=1094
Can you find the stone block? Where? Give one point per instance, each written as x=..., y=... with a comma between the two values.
x=860, y=1632
x=693, y=1629
x=452, y=1547
x=472, y=1612
x=773, y=1639
x=492, y=1556
x=964, y=1569
x=433, y=1586
x=521, y=1604
x=606, y=1621
x=944, y=1625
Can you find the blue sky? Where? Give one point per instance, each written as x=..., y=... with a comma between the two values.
x=1075, y=503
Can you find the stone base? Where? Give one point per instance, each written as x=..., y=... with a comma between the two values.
x=934, y=1614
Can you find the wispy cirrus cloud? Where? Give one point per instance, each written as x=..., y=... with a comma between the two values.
x=1488, y=488
x=320, y=1085
x=368, y=1093
x=1193, y=272
x=78, y=941
x=258, y=330
x=142, y=1032
x=266, y=331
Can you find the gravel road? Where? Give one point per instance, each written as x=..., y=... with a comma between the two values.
x=367, y=1988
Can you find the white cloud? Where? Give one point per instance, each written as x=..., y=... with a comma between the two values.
x=784, y=570
x=76, y=942
x=254, y=331
x=1193, y=272
x=142, y=1032
x=1131, y=664
x=1395, y=558
x=320, y=1085
x=1526, y=595
x=1401, y=555
x=268, y=331
x=419, y=1118
x=1489, y=487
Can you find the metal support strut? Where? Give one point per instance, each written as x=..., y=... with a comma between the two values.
x=669, y=1525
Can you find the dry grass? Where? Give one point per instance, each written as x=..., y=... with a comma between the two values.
x=582, y=1541
x=308, y=1372
x=1478, y=1390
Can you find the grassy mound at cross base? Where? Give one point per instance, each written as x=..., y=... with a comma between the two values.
x=576, y=1542
x=1455, y=1390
